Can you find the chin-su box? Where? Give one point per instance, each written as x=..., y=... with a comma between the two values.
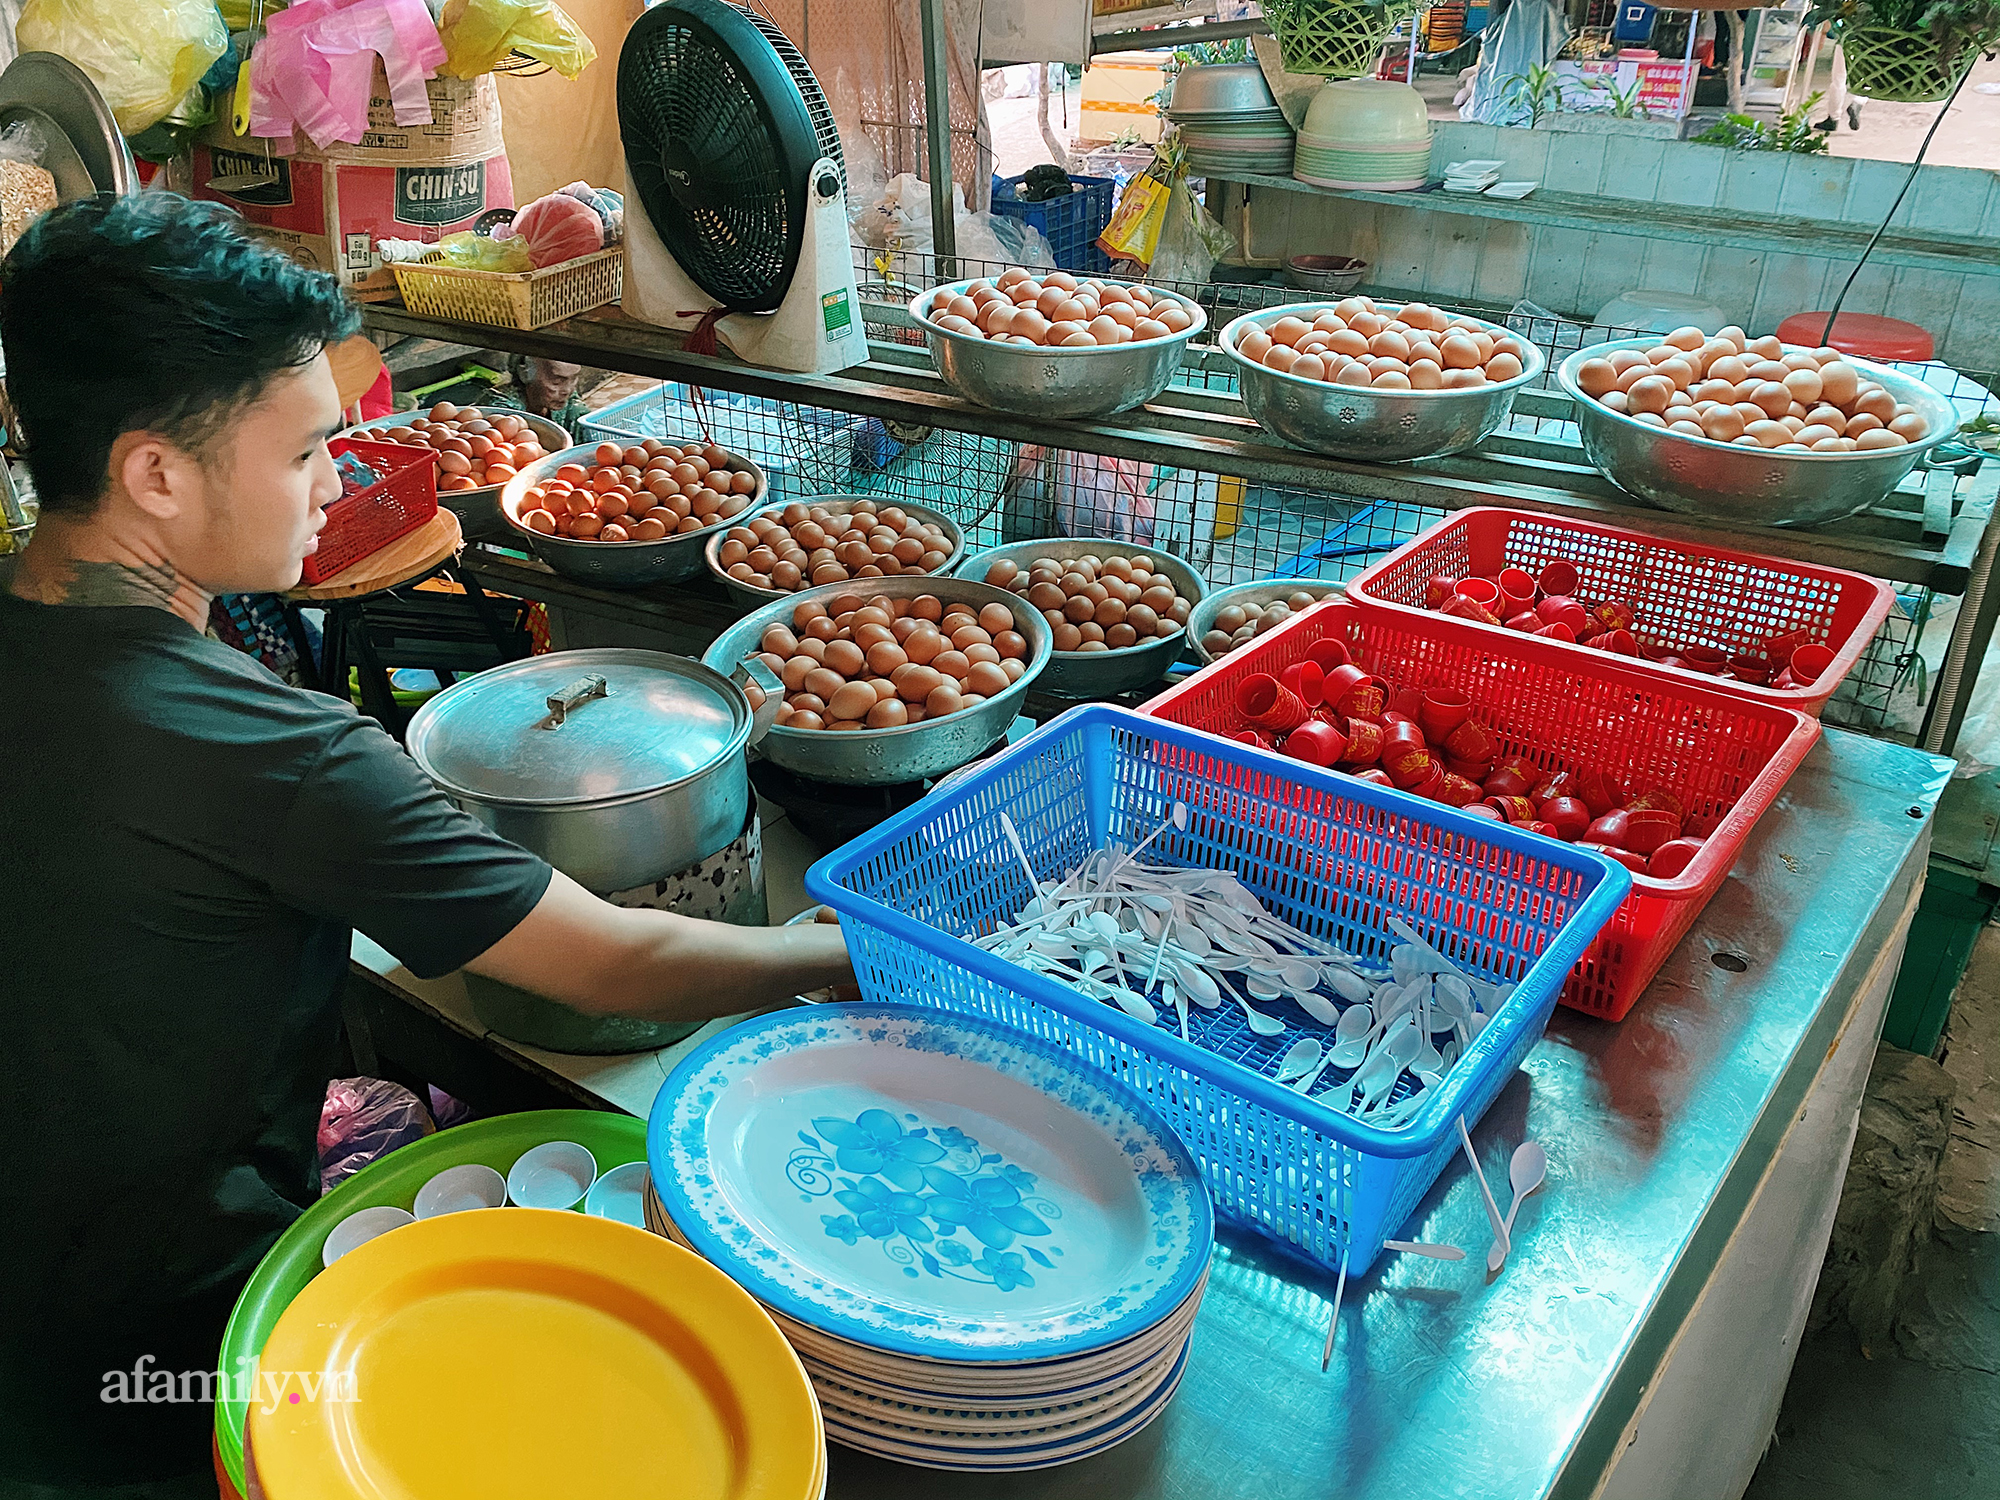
x=328, y=206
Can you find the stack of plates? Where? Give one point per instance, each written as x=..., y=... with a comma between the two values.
x=1387, y=167
x=987, y=1255
x=1248, y=141
x=531, y=1353
x=1471, y=176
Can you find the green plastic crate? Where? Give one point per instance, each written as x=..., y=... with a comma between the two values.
x=1953, y=909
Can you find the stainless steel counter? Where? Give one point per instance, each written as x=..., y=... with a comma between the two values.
x=1638, y=1340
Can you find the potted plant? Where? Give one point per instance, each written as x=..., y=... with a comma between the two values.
x=1909, y=51
x=1338, y=38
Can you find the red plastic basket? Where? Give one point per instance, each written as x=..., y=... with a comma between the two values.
x=1684, y=594
x=370, y=519
x=1563, y=709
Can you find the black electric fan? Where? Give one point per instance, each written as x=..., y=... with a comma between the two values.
x=738, y=191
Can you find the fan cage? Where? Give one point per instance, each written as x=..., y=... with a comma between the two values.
x=803, y=76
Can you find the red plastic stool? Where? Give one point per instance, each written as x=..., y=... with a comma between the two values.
x=1864, y=334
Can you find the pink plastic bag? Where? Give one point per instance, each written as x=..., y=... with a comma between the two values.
x=316, y=63
x=362, y=1121
x=1091, y=494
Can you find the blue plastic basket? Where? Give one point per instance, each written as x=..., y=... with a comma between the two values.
x=1334, y=856
x=1071, y=223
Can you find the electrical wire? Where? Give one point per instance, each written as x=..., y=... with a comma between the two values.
x=1826, y=334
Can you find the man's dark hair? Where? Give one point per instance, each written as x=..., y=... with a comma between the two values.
x=149, y=313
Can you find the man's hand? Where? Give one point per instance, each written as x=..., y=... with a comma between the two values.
x=655, y=965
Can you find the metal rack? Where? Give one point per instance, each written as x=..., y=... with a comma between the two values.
x=1217, y=490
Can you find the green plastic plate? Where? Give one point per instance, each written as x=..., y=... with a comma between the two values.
x=614, y=1139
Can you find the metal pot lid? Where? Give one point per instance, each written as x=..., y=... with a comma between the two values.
x=579, y=727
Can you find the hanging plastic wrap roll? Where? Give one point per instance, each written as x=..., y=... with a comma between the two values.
x=317, y=61
x=1529, y=35
x=478, y=34
x=143, y=55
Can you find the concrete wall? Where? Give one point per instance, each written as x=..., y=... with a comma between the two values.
x=1575, y=272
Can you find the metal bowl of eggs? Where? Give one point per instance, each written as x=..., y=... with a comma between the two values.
x=1235, y=616
x=1127, y=341
x=1112, y=670
x=888, y=756
x=622, y=564
x=798, y=526
x=1753, y=471
x=476, y=504
x=1371, y=388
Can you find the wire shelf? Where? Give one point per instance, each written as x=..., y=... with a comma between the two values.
x=1227, y=530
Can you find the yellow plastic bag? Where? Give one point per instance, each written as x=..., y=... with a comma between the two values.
x=1134, y=230
x=238, y=14
x=143, y=55
x=479, y=33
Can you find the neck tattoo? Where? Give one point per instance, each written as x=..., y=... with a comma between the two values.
x=76, y=582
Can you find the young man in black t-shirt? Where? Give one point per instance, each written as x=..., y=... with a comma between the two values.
x=187, y=842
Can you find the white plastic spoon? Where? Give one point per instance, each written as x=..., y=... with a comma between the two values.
x=1528, y=1169
x=1302, y=1057
x=1434, y=1252
x=1350, y=1036
x=1260, y=1023
x=1485, y=1192
x=1014, y=838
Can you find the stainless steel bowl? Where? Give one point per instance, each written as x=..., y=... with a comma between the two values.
x=1220, y=88
x=889, y=757
x=1201, y=619
x=1748, y=486
x=1099, y=674
x=840, y=504
x=618, y=565
x=1056, y=383
x=478, y=511
x=1354, y=422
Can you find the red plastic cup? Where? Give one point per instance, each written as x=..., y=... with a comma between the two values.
x=1704, y=659
x=1514, y=809
x=1672, y=857
x=1609, y=828
x=1433, y=785
x=1600, y=792
x=1462, y=608
x=1441, y=711
x=1407, y=767
x=1482, y=810
x=1338, y=682
x=1471, y=740
x=1614, y=614
x=1568, y=814
x=1266, y=703
x=1527, y=622
x=1471, y=770
x=1364, y=742
x=1810, y=662
x=1304, y=679
x=1363, y=702
x=1561, y=609
x=1647, y=830
x=1374, y=776
x=1620, y=642
x=1658, y=801
x=1252, y=737
x=1558, y=578
x=1439, y=589
x=1558, y=630
x=1459, y=791
x=1327, y=653
x=1517, y=588
x=1780, y=647
x=1316, y=742
x=1484, y=590
x=1554, y=784
x=1755, y=669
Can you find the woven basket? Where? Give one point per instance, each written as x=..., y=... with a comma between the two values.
x=524, y=299
x=1338, y=38
x=1900, y=66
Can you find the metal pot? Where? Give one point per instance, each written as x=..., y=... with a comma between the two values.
x=622, y=768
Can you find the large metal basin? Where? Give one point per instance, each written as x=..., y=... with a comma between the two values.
x=1748, y=486
x=1349, y=421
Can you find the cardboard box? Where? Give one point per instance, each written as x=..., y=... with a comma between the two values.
x=327, y=208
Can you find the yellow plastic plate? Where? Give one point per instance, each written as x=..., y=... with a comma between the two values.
x=521, y=1354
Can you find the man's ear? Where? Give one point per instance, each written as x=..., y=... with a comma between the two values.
x=154, y=472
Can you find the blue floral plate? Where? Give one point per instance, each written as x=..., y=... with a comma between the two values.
x=928, y=1184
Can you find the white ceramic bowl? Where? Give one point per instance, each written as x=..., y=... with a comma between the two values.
x=457, y=1190
x=556, y=1174
x=359, y=1228
x=620, y=1194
